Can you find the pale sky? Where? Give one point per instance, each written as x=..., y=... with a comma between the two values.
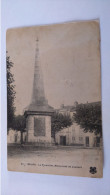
x=69, y=58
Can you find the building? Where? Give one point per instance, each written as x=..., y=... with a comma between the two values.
x=14, y=137
x=71, y=109
x=74, y=136
x=67, y=109
x=38, y=113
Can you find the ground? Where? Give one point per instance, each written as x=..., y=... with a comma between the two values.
x=57, y=159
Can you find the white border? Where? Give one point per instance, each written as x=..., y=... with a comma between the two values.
x=34, y=12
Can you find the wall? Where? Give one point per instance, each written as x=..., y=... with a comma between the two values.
x=35, y=12
x=73, y=135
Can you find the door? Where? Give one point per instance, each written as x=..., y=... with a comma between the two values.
x=87, y=141
x=97, y=141
x=63, y=140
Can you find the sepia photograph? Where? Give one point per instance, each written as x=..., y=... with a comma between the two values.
x=54, y=117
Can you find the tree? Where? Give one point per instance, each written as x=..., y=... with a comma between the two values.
x=60, y=121
x=10, y=93
x=88, y=116
x=19, y=123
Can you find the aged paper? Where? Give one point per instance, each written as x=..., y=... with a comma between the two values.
x=54, y=99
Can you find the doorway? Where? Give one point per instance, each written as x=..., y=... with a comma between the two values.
x=63, y=140
x=87, y=141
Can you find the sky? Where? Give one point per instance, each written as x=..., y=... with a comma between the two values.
x=69, y=58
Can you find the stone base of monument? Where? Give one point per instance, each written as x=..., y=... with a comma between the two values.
x=39, y=130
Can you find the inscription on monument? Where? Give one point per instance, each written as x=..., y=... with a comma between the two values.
x=39, y=126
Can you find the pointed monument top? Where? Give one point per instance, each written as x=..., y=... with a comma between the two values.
x=38, y=102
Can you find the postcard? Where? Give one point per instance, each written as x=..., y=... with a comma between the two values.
x=54, y=117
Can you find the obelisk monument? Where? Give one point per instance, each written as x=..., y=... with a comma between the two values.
x=38, y=113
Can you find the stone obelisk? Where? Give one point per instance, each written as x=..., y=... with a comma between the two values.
x=38, y=113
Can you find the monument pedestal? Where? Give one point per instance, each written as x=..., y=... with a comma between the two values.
x=38, y=126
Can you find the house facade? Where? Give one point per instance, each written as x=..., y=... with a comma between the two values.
x=75, y=136
x=14, y=137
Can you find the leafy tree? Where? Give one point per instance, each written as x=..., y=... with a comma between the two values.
x=60, y=121
x=19, y=123
x=10, y=93
x=88, y=116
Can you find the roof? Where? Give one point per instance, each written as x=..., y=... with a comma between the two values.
x=73, y=108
